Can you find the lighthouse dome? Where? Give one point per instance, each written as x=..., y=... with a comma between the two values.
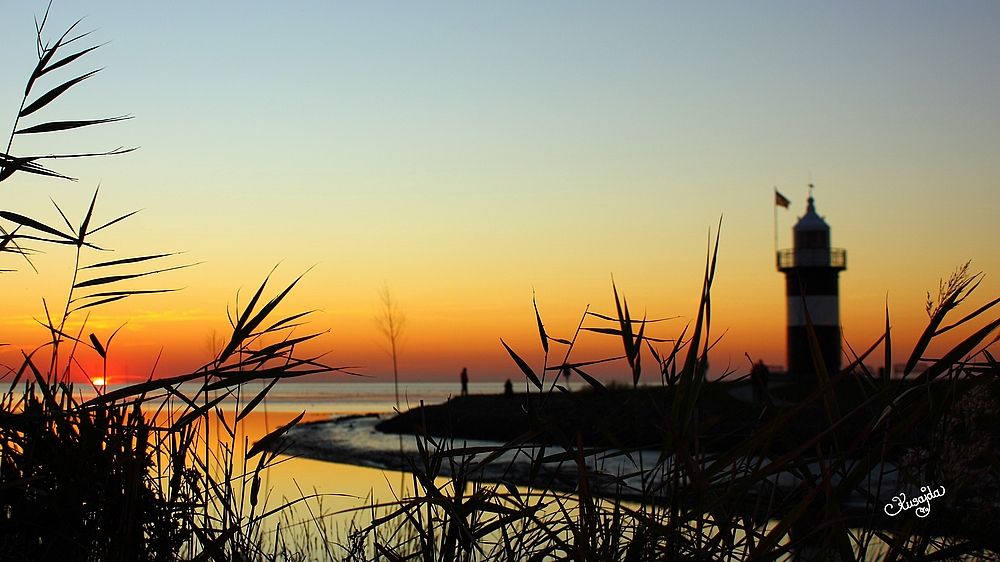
x=810, y=220
x=811, y=232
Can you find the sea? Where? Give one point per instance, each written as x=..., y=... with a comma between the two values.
x=329, y=496
x=342, y=495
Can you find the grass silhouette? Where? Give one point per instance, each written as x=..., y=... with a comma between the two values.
x=805, y=473
x=156, y=470
x=134, y=473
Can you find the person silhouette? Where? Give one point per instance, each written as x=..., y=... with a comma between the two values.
x=465, y=382
x=758, y=378
x=508, y=389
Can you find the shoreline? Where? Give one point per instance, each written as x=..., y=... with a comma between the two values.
x=619, y=419
x=355, y=440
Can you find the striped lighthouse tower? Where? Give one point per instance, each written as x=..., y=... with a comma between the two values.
x=811, y=269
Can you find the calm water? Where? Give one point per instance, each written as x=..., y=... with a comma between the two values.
x=345, y=398
x=342, y=487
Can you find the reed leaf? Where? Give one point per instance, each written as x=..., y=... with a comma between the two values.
x=637, y=347
x=111, y=222
x=124, y=261
x=273, y=349
x=53, y=126
x=246, y=325
x=564, y=366
x=285, y=322
x=63, y=61
x=54, y=93
x=123, y=293
x=32, y=223
x=198, y=412
x=617, y=332
x=11, y=164
x=969, y=316
x=541, y=327
x=957, y=353
x=257, y=399
x=268, y=440
x=523, y=366
x=138, y=389
x=625, y=324
x=596, y=384
x=613, y=319
x=124, y=277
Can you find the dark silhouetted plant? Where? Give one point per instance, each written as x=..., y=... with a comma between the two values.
x=805, y=472
x=133, y=473
x=391, y=322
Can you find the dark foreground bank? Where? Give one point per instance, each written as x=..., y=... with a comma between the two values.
x=637, y=420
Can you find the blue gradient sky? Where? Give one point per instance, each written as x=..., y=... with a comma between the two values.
x=467, y=153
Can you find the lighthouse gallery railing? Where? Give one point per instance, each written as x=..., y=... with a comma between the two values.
x=834, y=257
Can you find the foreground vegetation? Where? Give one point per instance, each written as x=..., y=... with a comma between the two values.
x=789, y=485
x=156, y=470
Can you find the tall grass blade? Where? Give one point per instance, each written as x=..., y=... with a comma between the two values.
x=86, y=219
x=11, y=164
x=957, y=353
x=120, y=296
x=246, y=325
x=123, y=293
x=523, y=366
x=63, y=61
x=270, y=439
x=32, y=223
x=887, y=352
x=129, y=260
x=116, y=278
x=596, y=384
x=625, y=324
x=53, y=126
x=54, y=93
x=198, y=412
x=541, y=327
x=257, y=399
x=637, y=348
x=969, y=316
x=111, y=222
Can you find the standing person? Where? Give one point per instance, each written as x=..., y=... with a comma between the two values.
x=758, y=378
x=465, y=382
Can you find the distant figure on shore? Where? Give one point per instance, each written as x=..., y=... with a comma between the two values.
x=508, y=389
x=465, y=382
x=758, y=378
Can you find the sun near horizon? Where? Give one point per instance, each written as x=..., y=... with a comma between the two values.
x=477, y=159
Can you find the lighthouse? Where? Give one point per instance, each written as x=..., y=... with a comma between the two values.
x=812, y=269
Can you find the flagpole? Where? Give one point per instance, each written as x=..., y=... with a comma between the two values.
x=775, y=206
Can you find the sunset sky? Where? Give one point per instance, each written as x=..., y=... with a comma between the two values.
x=468, y=154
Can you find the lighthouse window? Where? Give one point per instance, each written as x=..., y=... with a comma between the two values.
x=812, y=239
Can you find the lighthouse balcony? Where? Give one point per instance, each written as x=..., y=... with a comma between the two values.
x=812, y=257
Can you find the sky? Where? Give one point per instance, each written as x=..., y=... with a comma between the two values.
x=472, y=157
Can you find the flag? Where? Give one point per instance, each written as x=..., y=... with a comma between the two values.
x=780, y=199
